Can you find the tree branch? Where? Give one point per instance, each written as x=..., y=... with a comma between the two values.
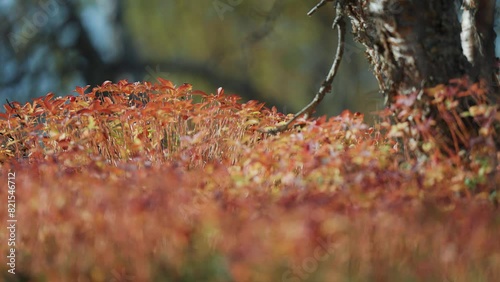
x=319, y=5
x=326, y=86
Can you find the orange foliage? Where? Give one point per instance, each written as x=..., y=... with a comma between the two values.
x=141, y=182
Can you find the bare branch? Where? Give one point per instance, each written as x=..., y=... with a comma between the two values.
x=326, y=86
x=319, y=5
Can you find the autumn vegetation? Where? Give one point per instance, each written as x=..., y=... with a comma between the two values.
x=157, y=182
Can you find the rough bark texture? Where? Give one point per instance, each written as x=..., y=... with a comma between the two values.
x=411, y=43
x=415, y=45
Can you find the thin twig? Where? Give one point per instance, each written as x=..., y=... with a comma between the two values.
x=339, y=24
x=319, y=5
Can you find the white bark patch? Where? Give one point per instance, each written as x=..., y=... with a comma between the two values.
x=469, y=36
x=376, y=7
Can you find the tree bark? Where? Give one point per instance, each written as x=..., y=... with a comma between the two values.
x=416, y=45
x=437, y=73
x=412, y=44
x=478, y=41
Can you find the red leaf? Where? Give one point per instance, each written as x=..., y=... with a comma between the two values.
x=185, y=87
x=346, y=114
x=198, y=92
x=115, y=108
x=122, y=82
x=81, y=90
x=165, y=82
x=48, y=97
x=58, y=102
x=84, y=112
x=8, y=109
x=46, y=102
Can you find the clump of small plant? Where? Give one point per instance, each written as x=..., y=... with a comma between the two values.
x=141, y=182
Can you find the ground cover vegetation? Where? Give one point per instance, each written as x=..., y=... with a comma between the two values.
x=162, y=182
x=157, y=182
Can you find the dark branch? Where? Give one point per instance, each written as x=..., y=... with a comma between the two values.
x=319, y=5
x=326, y=86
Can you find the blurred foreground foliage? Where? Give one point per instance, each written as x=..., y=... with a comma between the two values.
x=157, y=182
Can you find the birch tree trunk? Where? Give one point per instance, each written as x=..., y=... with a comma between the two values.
x=478, y=39
x=412, y=44
x=416, y=45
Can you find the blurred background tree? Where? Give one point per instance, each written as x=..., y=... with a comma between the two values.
x=270, y=51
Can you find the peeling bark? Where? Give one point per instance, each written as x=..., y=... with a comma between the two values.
x=478, y=39
x=415, y=45
x=412, y=44
x=469, y=35
x=418, y=44
x=433, y=69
